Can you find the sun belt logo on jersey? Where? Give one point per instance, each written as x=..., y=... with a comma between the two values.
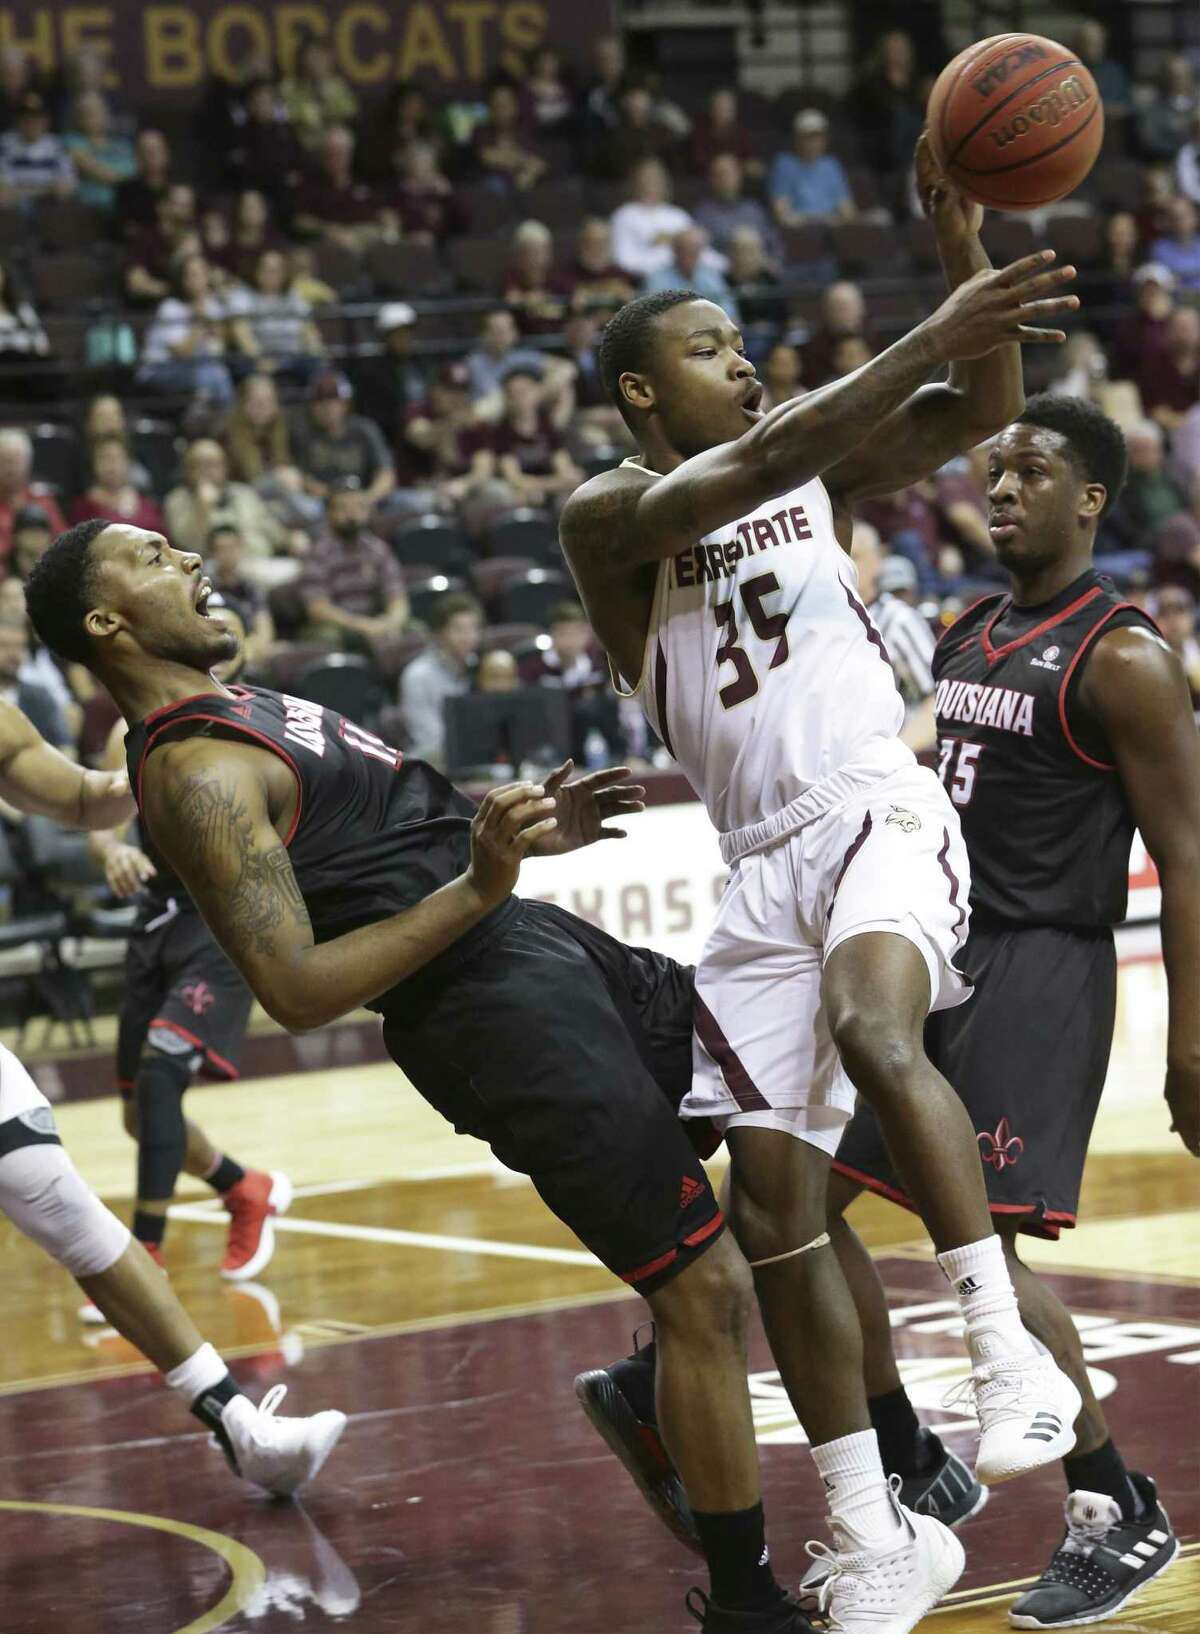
x=1002, y=1148
x=1046, y=661
x=905, y=819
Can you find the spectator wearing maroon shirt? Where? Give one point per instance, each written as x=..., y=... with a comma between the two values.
x=112, y=494
x=352, y=587
x=1144, y=330
x=430, y=211
x=531, y=453
x=266, y=154
x=435, y=443
x=719, y=130
x=334, y=206
x=18, y=490
x=137, y=199
x=638, y=134
x=537, y=299
x=225, y=564
x=154, y=252
x=251, y=234
x=843, y=313
x=504, y=149
x=593, y=277
x=907, y=523
x=1168, y=377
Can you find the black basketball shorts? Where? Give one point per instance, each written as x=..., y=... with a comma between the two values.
x=1028, y=1055
x=182, y=996
x=569, y=1053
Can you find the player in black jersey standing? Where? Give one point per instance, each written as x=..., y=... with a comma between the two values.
x=1064, y=722
x=336, y=873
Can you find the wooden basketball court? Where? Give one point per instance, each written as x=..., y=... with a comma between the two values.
x=431, y=1296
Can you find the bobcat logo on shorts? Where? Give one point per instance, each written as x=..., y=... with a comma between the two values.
x=199, y=997
x=904, y=819
x=1001, y=1149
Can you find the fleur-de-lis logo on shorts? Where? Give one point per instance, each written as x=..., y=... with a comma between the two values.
x=1002, y=1148
x=905, y=819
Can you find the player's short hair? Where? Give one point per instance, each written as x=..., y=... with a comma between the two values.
x=59, y=592
x=627, y=339
x=1095, y=444
x=447, y=607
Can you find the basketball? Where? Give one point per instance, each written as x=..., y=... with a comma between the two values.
x=1015, y=121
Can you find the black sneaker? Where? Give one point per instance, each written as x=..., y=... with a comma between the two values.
x=619, y=1400
x=1101, y=1563
x=784, y=1617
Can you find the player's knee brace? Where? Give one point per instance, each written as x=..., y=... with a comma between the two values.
x=45, y=1196
x=162, y=1132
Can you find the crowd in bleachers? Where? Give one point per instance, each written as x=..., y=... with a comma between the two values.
x=346, y=350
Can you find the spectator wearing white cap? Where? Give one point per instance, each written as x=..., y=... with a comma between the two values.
x=1145, y=328
x=888, y=585
x=391, y=384
x=809, y=183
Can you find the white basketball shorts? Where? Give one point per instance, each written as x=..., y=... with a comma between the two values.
x=890, y=858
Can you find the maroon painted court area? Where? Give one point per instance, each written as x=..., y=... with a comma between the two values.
x=469, y=1494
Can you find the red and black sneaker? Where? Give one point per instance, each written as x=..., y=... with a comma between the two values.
x=252, y=1205
x=619, y=1400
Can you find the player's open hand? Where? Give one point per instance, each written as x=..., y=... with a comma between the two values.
x=506, y=828
x=997, y=307
x=950, y=211
x=127, y=869
x=1183, y=1098
x=583, y=808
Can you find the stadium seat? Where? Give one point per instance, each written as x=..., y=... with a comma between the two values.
x=514, y=638
x=67, y=225
x=432, y=539
x=14, y=230
x=479, y=264
x=391, y=726
x=865, y=247
x=1007, y=238
x=348, y=683
x=1117, y=184
x=803, y=246
x=558, y=202
x=922, y=245
x=288, y=663
x=528, y=600
x=1079, y=240
x=490, y=576
x=55, y=456
x=341, y=268
x=490, y=211
x=70, y=281
x=524, y=532
x=394, y=653
x=424, y=594
x=407, y=269
x=155, y=444
x=60, y=856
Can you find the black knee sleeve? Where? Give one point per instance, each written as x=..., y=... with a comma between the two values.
x=162, y=1137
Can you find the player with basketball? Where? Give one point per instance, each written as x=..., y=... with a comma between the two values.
x=1064, y=722
x=45, y=1197
x=713, y=567
x=184, y=1011
x=336, y=873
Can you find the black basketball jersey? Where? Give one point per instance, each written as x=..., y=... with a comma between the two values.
x=1044, y=816
x=373, y=833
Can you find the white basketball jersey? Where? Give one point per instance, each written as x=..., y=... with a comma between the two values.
x=763, y=673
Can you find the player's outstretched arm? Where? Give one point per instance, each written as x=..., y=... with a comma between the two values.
x=207, y=807
x=1136, y=686
x=41, y=782
x=982, y=394
x=624, y=517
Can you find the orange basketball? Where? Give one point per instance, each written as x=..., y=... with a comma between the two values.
x=1015, y=121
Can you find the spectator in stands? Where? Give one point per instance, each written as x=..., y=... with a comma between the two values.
x=549, y=93
x=35, y=702
x=849, y=353
x=33, y=161
x=104, y=416
x=573, y=664
x=194, y=338
x=332, y=443
x=112, y=493
x=18, y=76
x=31, y=536
x=303, y=280
x=225, y=564
x=693, y=266
x=1164, y=124
x=888, y=586
x=536, y=298
x=155, y=252
x=442, y=671
x=316, y=98
x=207, y=497
x=1187, y=165
x=102, y=159
x=258, y=446
x=644, y=228
x=719, y=130
x=498, y=351
x=1144, y=330
x=960, y=499
x=334, y=206
x=39, y=670
x=17, y=488
x=1174, y=611
x=598, y=109
x=1112, y=80
x=907, y=522
x=531, y=453
x=497, y=672
x=391, y=384
x=430, y=448
x=1180, y=253
x=756, y=286
x=1168, y=378
x=135, y=202
x=286, y=341
x=1151, y=496
x=781, y=375
x=809, y=183
x=888, y=108
x=593, y=276
x=503, y=148
x=637, y=134
x=352, y=586
x=251, y=235
x=430, y=208
x=21, y=332
x=727, y=206
x=1154, y=209
x=266, y=153
x=843, y=313
x=1110, y=286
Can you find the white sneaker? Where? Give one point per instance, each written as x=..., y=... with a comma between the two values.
x=1027, y=1410
x=278, y=1454
x=867, y=1593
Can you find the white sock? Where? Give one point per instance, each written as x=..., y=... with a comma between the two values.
x=199, y=1373
x=989, y=1305
x=856, y=1489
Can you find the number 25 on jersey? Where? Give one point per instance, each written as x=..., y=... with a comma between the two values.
x=957, y=768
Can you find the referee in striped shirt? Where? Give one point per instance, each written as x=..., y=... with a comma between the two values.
x=888, y=585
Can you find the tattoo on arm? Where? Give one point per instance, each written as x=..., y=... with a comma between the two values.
x=257, y=887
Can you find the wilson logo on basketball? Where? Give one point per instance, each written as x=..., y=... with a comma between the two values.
x=1002, y=1148
x=1000, y=71
x=1051, y=108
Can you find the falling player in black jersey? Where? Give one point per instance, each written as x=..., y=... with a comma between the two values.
x=336, y=873
x=1064, y=722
